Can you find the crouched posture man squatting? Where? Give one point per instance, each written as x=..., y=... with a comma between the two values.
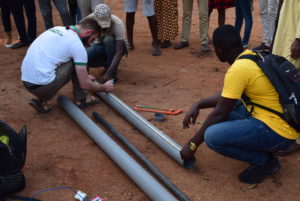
x=230, y=129
x=57, y=56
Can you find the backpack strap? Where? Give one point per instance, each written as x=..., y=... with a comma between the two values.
x=246, y=99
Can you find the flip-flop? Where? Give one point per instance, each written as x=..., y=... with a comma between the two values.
x=39, y=106
x=156, y=51
x=93, y=100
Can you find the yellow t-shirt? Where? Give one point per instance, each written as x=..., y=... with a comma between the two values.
x=245, y=76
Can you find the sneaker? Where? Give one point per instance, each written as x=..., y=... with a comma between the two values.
x=181, y=45
x=205, y=48
x=256, y=174
x=245, y=46
x=262, y=47
x=19, y=45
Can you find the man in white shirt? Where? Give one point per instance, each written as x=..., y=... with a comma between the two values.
x=57, y=56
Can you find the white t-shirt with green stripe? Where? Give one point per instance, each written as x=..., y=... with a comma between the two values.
x=53, y=47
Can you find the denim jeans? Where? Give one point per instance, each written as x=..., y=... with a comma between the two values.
x=102, y=54
x=244, y=138
x=243, y=11
x=46, y=10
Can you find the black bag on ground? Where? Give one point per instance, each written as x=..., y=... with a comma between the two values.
x=285, y=78
x=12, y=159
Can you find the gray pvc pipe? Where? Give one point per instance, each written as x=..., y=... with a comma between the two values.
x=154, y=190
x=157, y=136
x=163, y=179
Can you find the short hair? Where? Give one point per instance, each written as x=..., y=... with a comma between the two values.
x=90, y=23
x=227, y=37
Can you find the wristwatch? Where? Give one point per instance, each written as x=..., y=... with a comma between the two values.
x=192, y=146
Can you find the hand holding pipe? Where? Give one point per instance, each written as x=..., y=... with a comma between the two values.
x=153, y=133
x=139, y=175
x=142, y=158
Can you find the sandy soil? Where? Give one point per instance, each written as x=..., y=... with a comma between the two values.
x=61, y=154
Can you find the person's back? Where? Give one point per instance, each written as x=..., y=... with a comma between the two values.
x=53, y=47
x=246, y=77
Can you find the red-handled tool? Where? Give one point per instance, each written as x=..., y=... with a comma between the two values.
x=157, y=109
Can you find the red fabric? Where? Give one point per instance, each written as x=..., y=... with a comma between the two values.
x=220, y=4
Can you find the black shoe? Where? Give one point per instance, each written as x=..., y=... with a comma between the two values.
x=262, y=47
x=181, y=45
x=165, y=44
x=205, y=48
x=255, y=174
x=19, y=45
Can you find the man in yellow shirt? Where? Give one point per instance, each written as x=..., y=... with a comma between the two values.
x=231, y=129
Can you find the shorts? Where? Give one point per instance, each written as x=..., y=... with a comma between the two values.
x=148, y=7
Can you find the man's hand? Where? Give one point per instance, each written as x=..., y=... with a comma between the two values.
x=108, y=86
x=107, y=76
x=191, y=116
x=295, y=49
x=186, y=153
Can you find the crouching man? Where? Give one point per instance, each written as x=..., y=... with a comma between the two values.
x=57, y=56
x=233, y=131
x=108, y=49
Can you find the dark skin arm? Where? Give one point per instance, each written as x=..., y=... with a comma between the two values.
x=219, y=114
x=115, y=62
x=192, y=114
x=295, y=49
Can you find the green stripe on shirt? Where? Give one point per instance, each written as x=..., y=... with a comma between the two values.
x=80, y=63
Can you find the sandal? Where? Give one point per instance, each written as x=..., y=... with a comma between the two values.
x=156, y=51
x=40, y=106
x=88, y=101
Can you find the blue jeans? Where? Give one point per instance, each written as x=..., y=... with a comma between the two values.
x=244, y=138
x=243, y=11
x=102, y=54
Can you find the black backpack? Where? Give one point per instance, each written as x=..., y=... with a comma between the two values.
x=285, y=78
x=12, y=159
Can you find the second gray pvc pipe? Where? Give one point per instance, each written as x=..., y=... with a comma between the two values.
x=139, y=175
x=157, y=136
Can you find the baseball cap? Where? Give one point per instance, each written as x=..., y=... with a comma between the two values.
x=102, y=14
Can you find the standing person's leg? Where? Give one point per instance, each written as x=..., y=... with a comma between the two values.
x=31, y=19
x=272, y=13
x=17, y=11
x=46, y=10
x=186, y=24
x=238, y=15
x=72, y=4
x=84, y=7
x=203, y=26
x=61, y=6
x=148, y=7
x=130, y=7
x=5, y=10
x=221, y=16
x=94, y=3
x=247, y=14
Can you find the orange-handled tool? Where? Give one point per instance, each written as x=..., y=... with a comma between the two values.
x=157, y=109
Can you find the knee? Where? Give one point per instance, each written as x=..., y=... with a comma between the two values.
x=212, y=137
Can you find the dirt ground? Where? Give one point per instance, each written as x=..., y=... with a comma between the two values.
x=60, y=153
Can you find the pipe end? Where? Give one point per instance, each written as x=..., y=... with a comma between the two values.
x=189, y=164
